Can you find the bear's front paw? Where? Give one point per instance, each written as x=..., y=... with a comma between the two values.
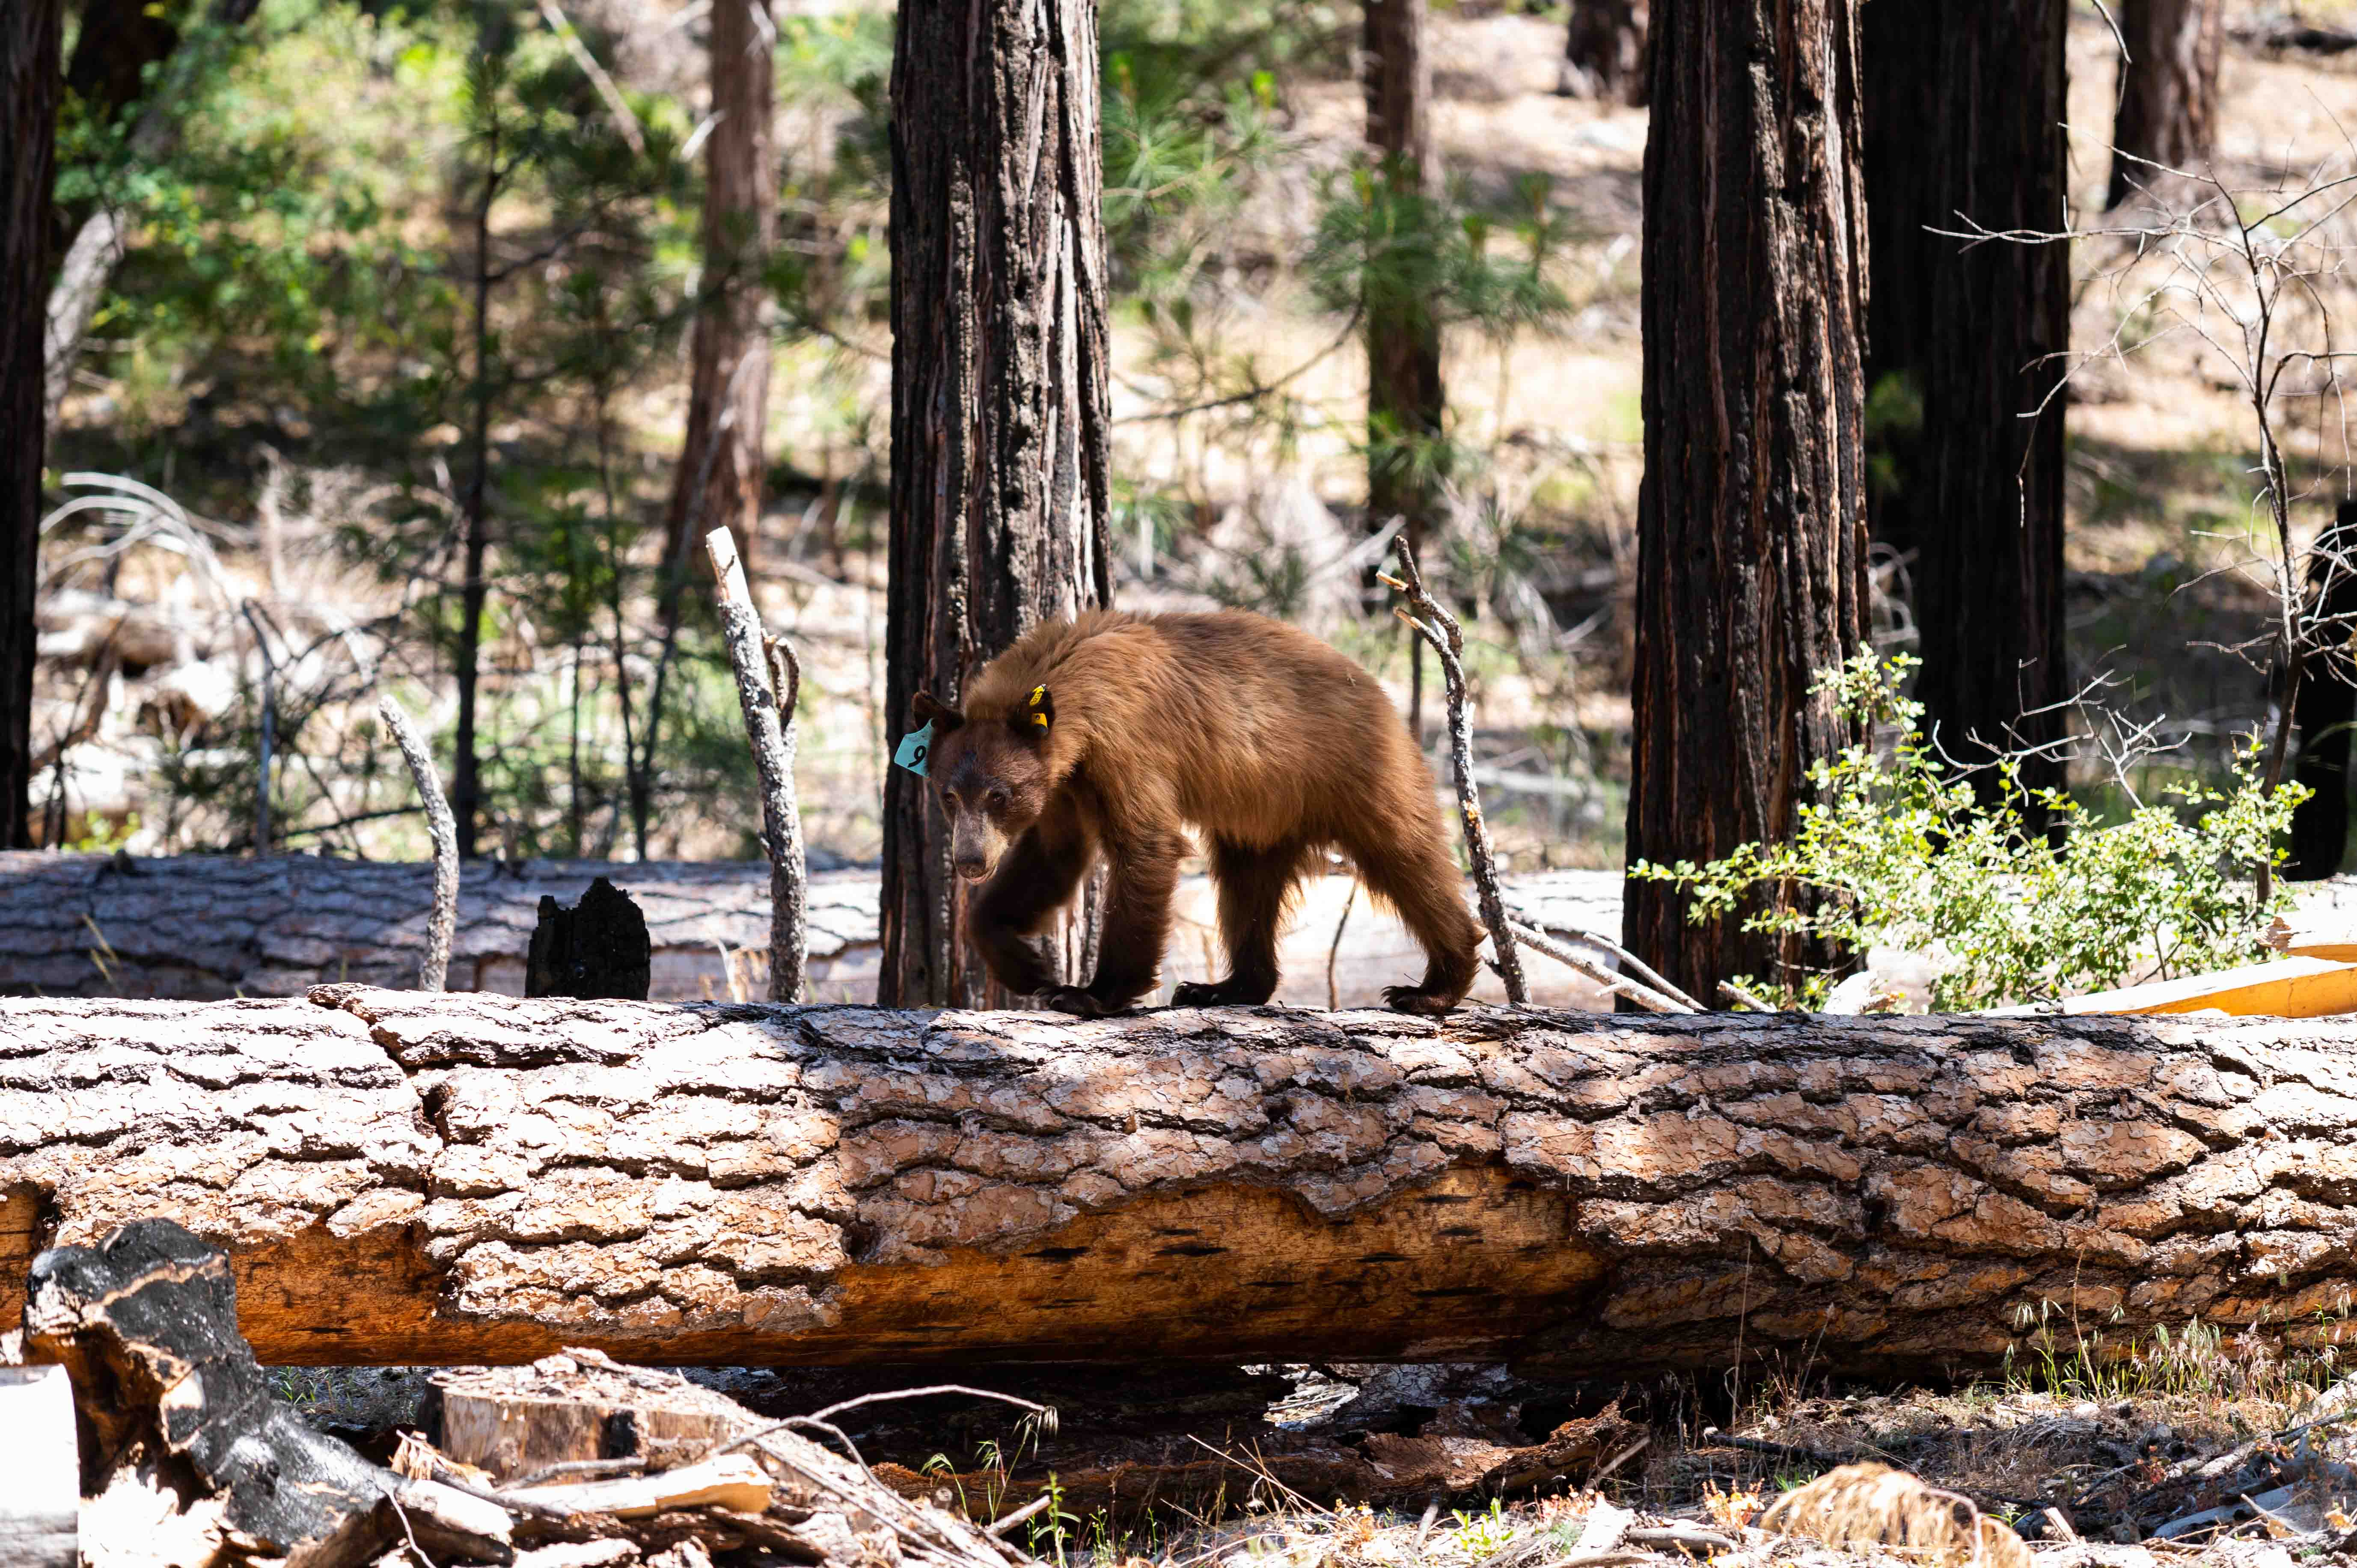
x=1415, y=999
x=1072, y=999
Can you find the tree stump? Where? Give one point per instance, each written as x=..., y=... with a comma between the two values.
x=597, y=950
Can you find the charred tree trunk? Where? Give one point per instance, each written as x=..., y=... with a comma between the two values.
x=1752, y=521
x=1604, y=52
x=999, y=403
x=1406, y=399
x=444, y=1179
x=1988, y=575
x=31, y=38
x=2168, y=92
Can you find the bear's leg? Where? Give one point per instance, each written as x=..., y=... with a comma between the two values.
x=1256, y=885
x=1420, y=879
x=1145, y=873
x=1038, y=877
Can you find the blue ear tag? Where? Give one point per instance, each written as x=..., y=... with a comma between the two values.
x=915, y=747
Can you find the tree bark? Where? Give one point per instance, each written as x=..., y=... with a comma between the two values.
x=2168, y=111
x=1406, y=402
x=1987, y=508
x=1604, y=52
x=31, y=38
x=719, y=479
x=1751, y=517
x=1000, y=417
x=2326, y=704
x=722, y=465
x=119, y=43
x=1900, y=45
x=413, y=1178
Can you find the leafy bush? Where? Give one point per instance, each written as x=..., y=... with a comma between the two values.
x=1897, y=852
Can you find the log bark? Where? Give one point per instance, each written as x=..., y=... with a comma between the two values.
x=1751, y=517
x=1001, y=418
x=403, y=1177
x=201, y=926
x=30, y=36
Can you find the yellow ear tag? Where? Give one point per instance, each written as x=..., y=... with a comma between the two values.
x=1040, y=719
x=1038, y=695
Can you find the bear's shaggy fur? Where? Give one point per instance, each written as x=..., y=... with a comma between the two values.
x=1111, y=734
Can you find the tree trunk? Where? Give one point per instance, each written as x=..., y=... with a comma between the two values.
x=1604, y=52
x=1900, y=44
x=721, y=467
x=440, y=1179
x=31, y=38
x=1406, y=399
x=474, y=589
x=2326, y=704
x=1000, y=415
x=2168, y=92
x=1988, y=514
x=719, y=479
x=1751, y=519
x=125, y=55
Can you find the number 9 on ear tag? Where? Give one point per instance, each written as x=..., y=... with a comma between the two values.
x=915, y=747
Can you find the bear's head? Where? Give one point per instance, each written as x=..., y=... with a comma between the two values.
x=992, y=771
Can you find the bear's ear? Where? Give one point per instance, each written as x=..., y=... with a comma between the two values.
x=930, y=709
x=1037, y=715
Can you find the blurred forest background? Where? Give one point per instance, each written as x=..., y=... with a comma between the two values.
x=388, y=281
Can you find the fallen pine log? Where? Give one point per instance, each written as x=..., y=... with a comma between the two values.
x=442, y=1179
x=205, y=927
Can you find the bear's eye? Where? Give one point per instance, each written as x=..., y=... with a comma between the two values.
x=950, y=798
x=998, y=799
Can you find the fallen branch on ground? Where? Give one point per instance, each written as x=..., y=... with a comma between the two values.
x=1644, y=996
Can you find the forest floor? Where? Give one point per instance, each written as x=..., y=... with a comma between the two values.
x=2091, y=1464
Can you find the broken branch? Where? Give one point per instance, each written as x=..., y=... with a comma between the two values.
x=769, y=725
x=443, y=828
x=1438, y=627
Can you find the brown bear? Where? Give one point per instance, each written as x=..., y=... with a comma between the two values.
x=1111, y=734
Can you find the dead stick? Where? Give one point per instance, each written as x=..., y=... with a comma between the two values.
x=1438, y=627
x=1630, y=963
x=434, y=970
x=1735, y=992
x=1001, y=1526
x=768, y=725
x=1643, y=995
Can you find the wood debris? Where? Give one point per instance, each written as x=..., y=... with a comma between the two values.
x=187, y=1461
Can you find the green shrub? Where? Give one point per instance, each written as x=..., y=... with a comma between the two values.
x=1897, y=851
